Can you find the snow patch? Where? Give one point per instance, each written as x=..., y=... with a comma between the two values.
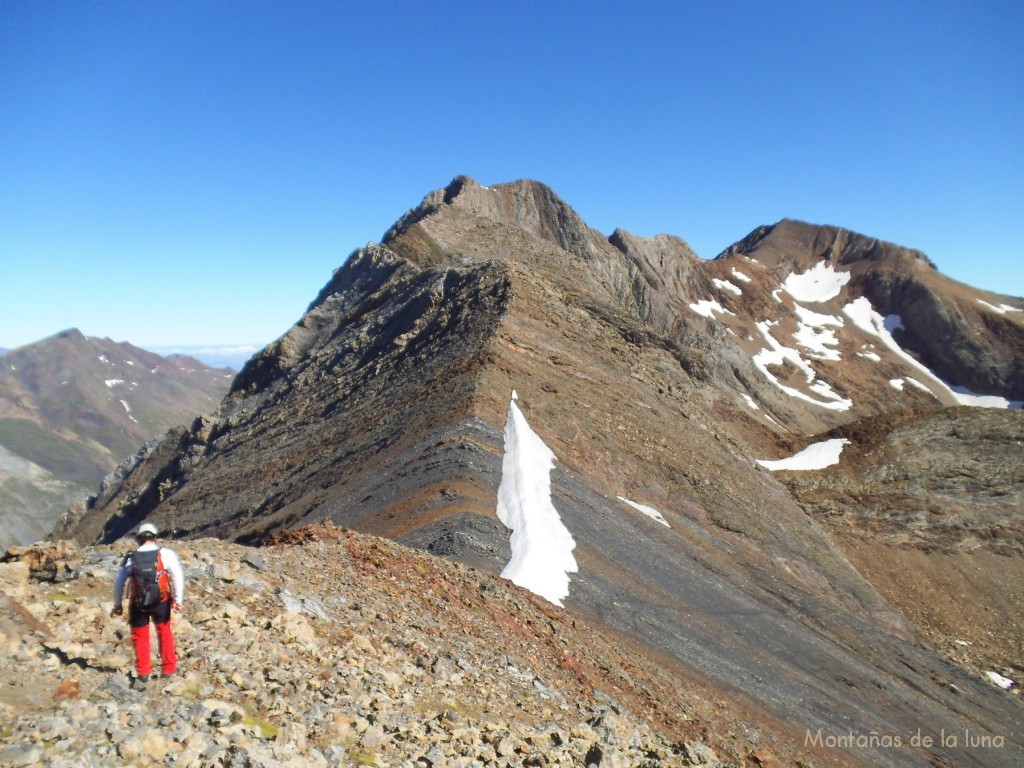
x=541, y=545
x=128, y=410
x=816, y=319
x=918, y=384
x=113, y=382
x=1002, y=309
x=750, y=401
x=776, y=354
x=725, y=285
x=964, y=396
x=813, y=335
x=820, y=283
x=739, y=275
x=896, y=384
x=651, y=512
x=708, y=307
x=815, y=456
x=1003, y=682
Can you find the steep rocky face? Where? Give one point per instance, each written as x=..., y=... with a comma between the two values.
x=72, y=407
x=654, y=378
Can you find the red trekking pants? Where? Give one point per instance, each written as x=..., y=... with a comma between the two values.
x=139, y=620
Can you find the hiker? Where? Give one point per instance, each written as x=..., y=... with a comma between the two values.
x=156, y=586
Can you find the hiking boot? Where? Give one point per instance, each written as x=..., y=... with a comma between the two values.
x=139, y=683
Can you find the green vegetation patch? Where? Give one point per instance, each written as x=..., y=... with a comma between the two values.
x=267, y=730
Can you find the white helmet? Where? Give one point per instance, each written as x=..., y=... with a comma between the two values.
x=146, y=528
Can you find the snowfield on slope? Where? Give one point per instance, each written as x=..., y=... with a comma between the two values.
x=818, y=284
x=777, y=355
x=708, y=307
x=814, y=456
x=1002, y=309
x=816, y=338
x=542, y=546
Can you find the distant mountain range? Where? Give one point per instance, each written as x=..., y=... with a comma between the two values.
x=73, y=407
x=232, y=356
x=634, y=476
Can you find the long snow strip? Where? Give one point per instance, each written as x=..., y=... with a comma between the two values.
x=815, y=456
x=541, y=545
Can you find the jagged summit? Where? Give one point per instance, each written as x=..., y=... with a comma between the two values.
x=526, y=206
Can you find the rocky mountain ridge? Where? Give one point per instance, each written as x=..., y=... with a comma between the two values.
x=72, y=407
x=657, y=381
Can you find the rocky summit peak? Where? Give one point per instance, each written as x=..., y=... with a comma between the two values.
x=793, y=243
x=522, y=209
x=70, y=333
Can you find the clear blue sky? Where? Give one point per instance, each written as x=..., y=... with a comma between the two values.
x=191, y=172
